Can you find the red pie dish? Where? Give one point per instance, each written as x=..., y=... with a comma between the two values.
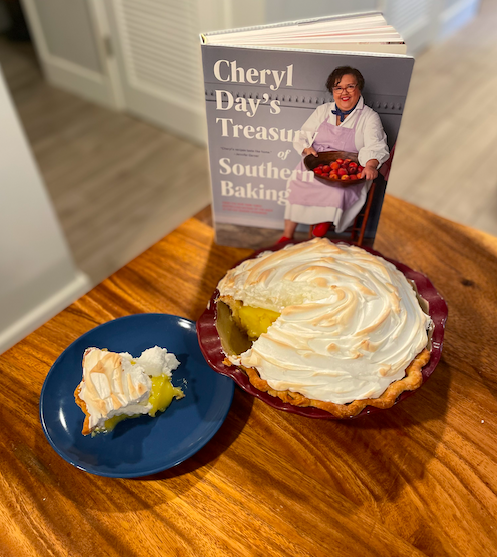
x=211, y=344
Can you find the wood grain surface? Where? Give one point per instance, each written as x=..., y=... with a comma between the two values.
x=418, y=479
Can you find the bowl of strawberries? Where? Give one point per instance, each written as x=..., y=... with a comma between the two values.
x=337, y=168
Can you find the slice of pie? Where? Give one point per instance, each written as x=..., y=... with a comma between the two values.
x=327, y=325
x=117, y=386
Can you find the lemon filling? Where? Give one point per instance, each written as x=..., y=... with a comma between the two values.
x=111, y=423
x=254, y=321
x=162, y=394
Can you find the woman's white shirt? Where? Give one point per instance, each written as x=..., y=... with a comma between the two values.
x=370, y=138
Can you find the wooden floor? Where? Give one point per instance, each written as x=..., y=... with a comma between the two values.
x=119, y=184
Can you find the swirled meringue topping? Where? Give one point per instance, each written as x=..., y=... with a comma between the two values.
x=349, y=323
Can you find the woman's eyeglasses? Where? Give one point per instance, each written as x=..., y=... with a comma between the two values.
x=348, y=88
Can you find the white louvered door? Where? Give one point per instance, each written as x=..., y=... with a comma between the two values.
x=157, y=49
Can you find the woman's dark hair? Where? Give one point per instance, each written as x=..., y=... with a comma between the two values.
x=337, y=74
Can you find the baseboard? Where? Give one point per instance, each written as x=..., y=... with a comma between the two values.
x=85, y=83
x=456, y=16
x=44, y=311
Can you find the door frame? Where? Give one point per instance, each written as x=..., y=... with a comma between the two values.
x=101, y=88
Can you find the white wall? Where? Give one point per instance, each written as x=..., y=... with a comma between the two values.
x=37, y=275
x=455, y=14
x=288, y=10
x=244, y=14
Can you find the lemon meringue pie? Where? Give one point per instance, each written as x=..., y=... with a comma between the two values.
x=327, y=325
x=117, y=386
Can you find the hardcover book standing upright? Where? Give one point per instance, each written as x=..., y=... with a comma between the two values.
x=301, y=137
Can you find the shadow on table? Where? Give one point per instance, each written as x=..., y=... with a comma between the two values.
x=205, y=457
x=123, y=495
x=390, y=450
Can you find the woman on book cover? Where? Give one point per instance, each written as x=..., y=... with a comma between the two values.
x=346, y=124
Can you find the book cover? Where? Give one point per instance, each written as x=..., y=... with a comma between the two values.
x=267, y=108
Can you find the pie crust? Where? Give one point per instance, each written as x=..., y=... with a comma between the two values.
x=412, y=381
x=82, y=404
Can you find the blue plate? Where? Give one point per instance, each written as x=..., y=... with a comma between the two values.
x=145, y=445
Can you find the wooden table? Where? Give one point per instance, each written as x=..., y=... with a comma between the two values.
x=419, y=479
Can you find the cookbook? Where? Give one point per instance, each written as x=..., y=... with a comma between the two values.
x=302, y=120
